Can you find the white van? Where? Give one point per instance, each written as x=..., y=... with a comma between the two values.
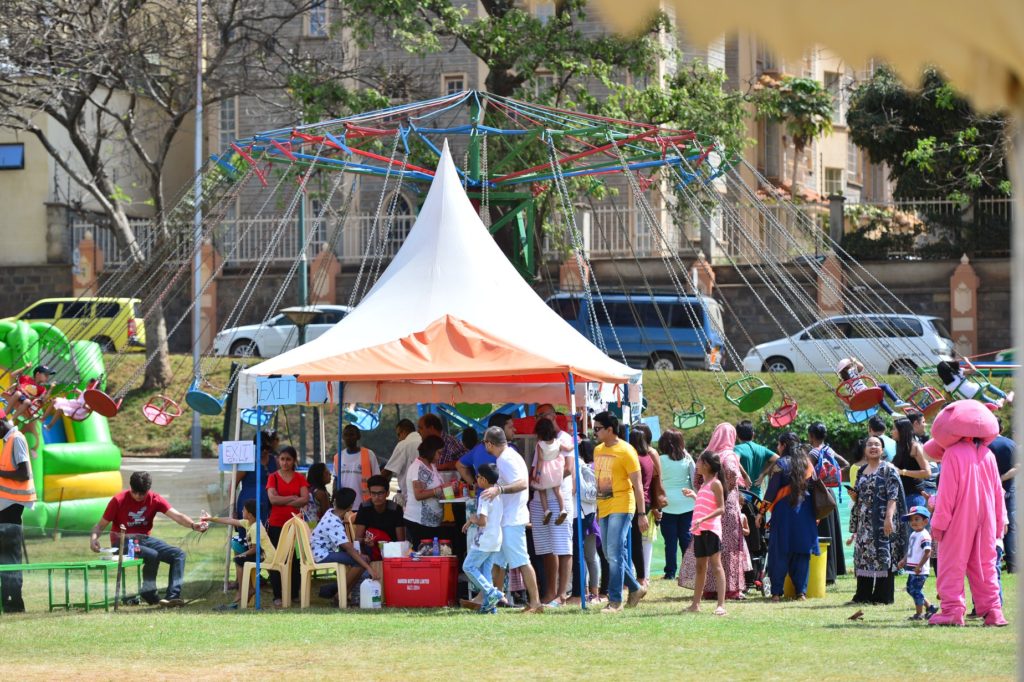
x=883, y=343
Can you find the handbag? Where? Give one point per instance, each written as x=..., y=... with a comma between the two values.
x=824, y=503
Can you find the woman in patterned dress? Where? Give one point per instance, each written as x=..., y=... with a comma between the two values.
x=735, y=555
x=879, y=539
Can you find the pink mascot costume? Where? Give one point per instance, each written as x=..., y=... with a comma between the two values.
x=970, y=513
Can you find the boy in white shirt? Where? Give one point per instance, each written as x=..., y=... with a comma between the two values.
x=330, y=542
x=487, y=543
x=919, y=551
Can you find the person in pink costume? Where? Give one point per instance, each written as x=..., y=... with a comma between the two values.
x=970, y=513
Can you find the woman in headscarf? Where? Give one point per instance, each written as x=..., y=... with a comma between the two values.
x=735, y=555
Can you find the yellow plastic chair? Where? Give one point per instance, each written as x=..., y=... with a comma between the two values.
x=281, y=562
x=308, y=566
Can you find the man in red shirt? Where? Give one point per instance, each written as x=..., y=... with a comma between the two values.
x=135, y=509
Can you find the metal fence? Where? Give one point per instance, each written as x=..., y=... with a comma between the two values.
x=745, y=233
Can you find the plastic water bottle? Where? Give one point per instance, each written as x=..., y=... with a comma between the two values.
x=130, y=550
x=369, y=595
x=437, y=547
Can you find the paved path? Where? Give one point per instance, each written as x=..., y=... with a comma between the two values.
x=189, y=484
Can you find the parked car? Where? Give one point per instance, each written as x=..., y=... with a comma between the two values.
x=278, y=335
x=883, y=343
x=683, y=335
x=114, y=323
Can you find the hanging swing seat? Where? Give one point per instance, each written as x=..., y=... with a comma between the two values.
x=860, y=393
x=161, y=410
x=257, y=417
x=689, y=419
x=785, y=414
x=477, y=411
x=861, y=416
x=101, y=403
x=365, y=418
x=749, y=393
x=927, y=400
x=204, y=403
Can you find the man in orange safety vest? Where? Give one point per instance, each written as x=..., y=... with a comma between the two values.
x=17, y=492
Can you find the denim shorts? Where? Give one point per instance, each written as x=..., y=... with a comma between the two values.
x=513, y=552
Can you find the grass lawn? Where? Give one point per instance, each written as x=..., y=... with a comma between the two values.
x=808, y=640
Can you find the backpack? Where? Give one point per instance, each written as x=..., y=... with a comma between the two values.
x=588, y=485
x=827, y=470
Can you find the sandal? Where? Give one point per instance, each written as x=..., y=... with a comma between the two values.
x=720, y=611
x=562, y=516
x=547, y=517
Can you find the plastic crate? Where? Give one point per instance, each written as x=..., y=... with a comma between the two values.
x=422, y=582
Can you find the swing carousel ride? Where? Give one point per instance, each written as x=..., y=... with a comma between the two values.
x=529, y=169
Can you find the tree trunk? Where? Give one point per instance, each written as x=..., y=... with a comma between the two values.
x=158, y=371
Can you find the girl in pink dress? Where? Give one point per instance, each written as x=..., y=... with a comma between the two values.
x=549, y=468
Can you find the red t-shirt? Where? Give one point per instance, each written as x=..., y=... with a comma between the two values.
x=280, y=513
x=137, y=517
x=30, y=387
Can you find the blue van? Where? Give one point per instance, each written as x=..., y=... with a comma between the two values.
x=666, y=341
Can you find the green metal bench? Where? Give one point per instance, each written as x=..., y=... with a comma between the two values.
x=69, y=567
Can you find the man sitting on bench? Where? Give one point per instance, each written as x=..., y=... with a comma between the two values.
x=135, y=509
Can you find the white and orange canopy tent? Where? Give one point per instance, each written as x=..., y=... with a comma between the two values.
x=450, y=320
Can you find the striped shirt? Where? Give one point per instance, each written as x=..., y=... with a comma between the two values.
x=704, y=505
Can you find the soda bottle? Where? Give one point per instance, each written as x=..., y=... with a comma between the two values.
x=136, y=549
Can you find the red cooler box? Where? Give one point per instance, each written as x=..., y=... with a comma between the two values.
x=424, y=582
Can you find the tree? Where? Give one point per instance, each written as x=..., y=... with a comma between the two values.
x=117, y=79
x=803, y=105
x=513, y=43
x=936, y=145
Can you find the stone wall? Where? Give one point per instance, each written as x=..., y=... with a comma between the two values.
x=25, y=284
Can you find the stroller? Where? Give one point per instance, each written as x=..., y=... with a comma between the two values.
x=757, y=542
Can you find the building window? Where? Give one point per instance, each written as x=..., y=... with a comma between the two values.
x=315, y=207
x=834, y=85
x=12, y=156
x=544, y=82
x=316, y=20
x=544, y=10
x=765, y=59
x=853, y=161
x=833, y=181
x=453, y=83
x=228, y=122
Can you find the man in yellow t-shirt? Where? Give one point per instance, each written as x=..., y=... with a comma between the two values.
x=619, y=497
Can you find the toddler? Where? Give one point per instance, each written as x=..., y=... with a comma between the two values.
x=919, y=551
x=549, y=468
x=852, y=368
x=248, y=523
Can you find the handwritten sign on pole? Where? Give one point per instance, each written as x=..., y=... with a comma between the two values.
x=237, y=453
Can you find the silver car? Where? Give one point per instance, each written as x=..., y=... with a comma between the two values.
x=884, y=343
x=278, y=335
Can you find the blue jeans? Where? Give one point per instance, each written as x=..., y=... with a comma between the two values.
x=154, y=552
x=614, y=534
x=477, y=567
x=675, y=528
x=1010, y=551
x=915, y=587
x=341, y=557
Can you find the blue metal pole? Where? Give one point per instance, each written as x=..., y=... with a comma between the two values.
x=579, y=502
x=259, y=498
x=341, y=416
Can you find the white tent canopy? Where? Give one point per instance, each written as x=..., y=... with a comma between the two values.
x=449, y=320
